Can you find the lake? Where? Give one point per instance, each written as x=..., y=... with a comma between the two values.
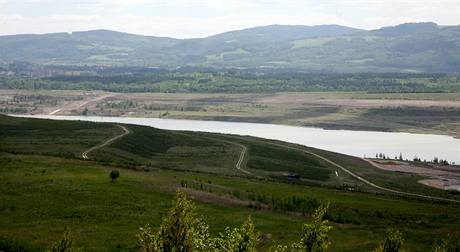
x=355, y=143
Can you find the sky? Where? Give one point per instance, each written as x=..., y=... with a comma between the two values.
x=201, y=18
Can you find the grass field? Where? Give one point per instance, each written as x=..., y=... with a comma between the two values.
x=46, y=185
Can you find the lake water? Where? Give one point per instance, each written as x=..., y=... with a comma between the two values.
x=355, y=143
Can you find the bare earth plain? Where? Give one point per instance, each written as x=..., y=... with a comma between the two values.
x=435, y=113
x=437, y=176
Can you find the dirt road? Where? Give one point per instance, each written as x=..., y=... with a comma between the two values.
x=84, y=155
x=241, y=158
x=365, y=180
x=79, y=104
x=244, y=151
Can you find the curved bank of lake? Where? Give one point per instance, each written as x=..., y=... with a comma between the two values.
x=355, y=143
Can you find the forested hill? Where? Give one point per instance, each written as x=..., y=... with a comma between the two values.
x=414, y=47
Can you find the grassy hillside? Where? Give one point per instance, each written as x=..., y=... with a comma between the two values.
x=44, y=188
x=418, y=47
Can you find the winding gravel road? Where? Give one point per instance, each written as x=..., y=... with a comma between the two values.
x=84, y=155
x=241, y=158
x=365, y=180
x=243, y=154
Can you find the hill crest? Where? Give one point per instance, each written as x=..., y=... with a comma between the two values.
x=410, y=47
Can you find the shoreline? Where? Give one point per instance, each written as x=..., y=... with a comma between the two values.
x=237, y=119
x=388, y=143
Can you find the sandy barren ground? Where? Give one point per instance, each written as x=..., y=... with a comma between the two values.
x=317, y=98
x=438, y=176
x=436, y=113
x=361, y=100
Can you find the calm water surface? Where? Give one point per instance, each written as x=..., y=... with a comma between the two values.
x=355, y=143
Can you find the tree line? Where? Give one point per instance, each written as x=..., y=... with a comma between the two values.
x=238, y=81
x=415, y=159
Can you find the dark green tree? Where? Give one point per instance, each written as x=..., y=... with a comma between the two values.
x=114, y=174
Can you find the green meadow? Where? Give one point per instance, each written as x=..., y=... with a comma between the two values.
x=46, y=186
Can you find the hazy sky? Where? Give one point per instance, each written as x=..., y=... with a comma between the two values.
x=198, y=18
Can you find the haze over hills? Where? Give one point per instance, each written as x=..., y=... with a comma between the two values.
x=414, y=47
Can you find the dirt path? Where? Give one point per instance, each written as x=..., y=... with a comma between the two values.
x=240, y=161
x=55, y=111
x=76, y=105
x=84, y=155
x=365, y=180
x=241, y=158
x=243, y=155
x=244, y=151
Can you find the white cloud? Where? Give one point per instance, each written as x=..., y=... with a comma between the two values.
x=197, y=18
x=160, y=26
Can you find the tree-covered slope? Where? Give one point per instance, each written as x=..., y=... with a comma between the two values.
x=415, y=47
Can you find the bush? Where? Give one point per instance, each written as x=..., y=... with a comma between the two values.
x=314, y=236
x=66, y=244
x=450, y=244
x=114, y=174
x=392, y=243
x=245, y=238
x=182, y=231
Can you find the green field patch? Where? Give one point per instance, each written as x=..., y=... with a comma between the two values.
x=316, y=42
x=227, y=55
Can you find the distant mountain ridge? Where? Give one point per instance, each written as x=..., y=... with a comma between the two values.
x=408, y=28
x=411, y=47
